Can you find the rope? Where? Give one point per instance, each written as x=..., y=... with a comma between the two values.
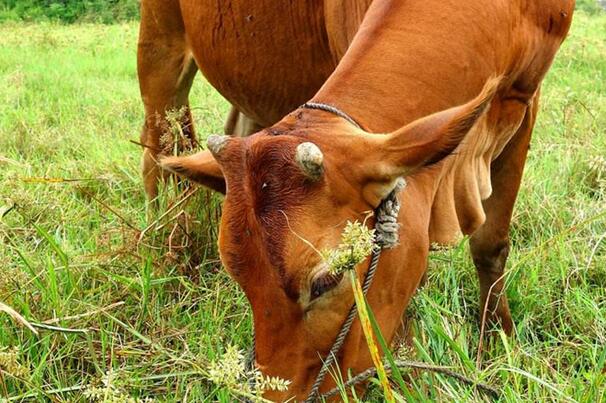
x=387, y=228
x=386, y=236
x=332, y=109
x=336, y=347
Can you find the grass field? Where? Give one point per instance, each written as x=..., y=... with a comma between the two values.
x=155, y=304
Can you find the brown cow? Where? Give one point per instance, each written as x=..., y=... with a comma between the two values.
x=419, y=71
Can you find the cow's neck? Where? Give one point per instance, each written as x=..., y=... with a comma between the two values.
x=412, y=59
x=401, y=65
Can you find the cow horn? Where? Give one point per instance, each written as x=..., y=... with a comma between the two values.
x=310, y=159
x=216, y=143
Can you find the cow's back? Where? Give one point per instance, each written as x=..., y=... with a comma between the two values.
x=267, y=57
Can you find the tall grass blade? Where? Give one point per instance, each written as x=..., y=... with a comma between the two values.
x=368, y=333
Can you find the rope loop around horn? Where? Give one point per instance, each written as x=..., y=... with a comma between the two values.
x=387, y=227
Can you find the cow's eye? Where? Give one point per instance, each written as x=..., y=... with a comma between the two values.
x=324, y=282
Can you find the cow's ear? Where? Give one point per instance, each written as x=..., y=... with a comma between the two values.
x=200, y=167
x=428, y=140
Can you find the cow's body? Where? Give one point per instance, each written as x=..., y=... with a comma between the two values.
x=408, y=60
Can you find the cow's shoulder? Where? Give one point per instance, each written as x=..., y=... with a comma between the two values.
x=548, y=17
x=541, y=25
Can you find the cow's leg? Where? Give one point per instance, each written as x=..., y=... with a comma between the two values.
x=240, y=125
x=166, y=70
x=232, y=121
x=490, y=243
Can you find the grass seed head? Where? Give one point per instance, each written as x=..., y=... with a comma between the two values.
x=109, y=391
x=231, y=372
x=357, y=242
x=175, y=128
x=9, y=362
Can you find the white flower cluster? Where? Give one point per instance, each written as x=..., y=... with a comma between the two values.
x=109, y=392
x=10, y=364
x=230, y=372
x=229, y=369
x=357, y=242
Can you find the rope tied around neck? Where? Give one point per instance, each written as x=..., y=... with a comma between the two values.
x=331, y=109
x=386, y=236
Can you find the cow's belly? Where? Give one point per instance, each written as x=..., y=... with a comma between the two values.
x=266, y=57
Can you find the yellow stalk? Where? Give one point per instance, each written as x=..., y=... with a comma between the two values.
x=368, y=333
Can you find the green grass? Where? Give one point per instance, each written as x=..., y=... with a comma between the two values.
x=70, y=104
x=68, y=11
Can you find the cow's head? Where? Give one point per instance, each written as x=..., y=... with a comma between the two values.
x=290, y=190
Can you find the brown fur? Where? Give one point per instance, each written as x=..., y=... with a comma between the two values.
x=413, y=70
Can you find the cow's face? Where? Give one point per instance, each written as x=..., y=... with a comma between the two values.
x=290, y=191
x=275, y=220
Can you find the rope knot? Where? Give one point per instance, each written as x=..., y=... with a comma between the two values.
x=387, y=228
